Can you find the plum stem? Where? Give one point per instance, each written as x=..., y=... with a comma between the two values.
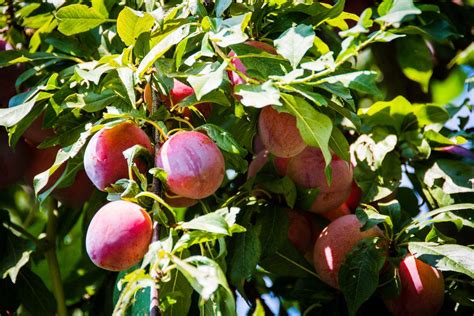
x=52, y=260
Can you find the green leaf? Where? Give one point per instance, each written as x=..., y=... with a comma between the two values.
x=221, y=6
x=315, y=128
x=339, y=144
x=211, y=222
x=230, y=31
x=175, y=295
x=204, y=274
x=362, y=81
x=428, y=114
x=11, y=116
x=369, y=217
x=17, y=254
x=91, y=101
x=399, y=10
x=283, y=186
x=127, y=78
x=415, y=60
x=272, y=220
x=131, y=23
x=389, y=113
x=245, y=255
x=260, y=95
x=34, y=295
x=445, y=257
x=210, y=79
x=359, y=274
x=294, y=43
x=451, y=175
x=78, y=18
x=223, y=139
x=167, y=41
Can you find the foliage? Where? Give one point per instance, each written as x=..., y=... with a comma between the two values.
x=385, y=88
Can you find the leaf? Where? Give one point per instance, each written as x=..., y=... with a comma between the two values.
x=428, y=114
x=223, y=139
x=177, y=293
x=283, y=186
x=17, y=254
x=258, y=96
x=369, y=217
x=167, y=41
x=362, y=81
x=359, y=274
x=339, y=144
x=387, y=113
x=449, y=257
x=78, y=18
x=455, y=176
x=221, y=6
x=11, y=116
x=272, y=220
x=204, y=275
x=208, y=81
x=315, y=128
x=211, y=222
x=245, y=255
x=230, y=31
x=415, y=60
x=34, y=295
x=294, y=43
x=126, y=76
x=131, y=23
x=399, y=10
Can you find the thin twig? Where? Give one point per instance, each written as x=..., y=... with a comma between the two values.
x=154, y=293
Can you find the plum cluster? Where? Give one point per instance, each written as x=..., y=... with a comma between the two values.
x=120, y=232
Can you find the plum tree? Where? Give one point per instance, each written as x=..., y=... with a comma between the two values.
x=8, y=76
x=422, y=289
x=118, y=235
x=13, y=161
x=235, y=79
x=307, y=170
x=104, y=161
x=279, y=133
x=193, y=164
x=333, y=244
x=74, y=195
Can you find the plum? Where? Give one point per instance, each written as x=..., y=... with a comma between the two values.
x=118, y=235
x=8, y=76
x=259, y=160
x=300, y=231
x=104, y=161
x=422, y=289
x=307, y=171
x=334, y=243
x=193, y=164
x=13, y=161
x=337, y=212
x=74, y=195
x=279, y=133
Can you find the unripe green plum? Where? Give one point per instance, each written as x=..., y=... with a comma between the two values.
x=279, y=133
x=334, y=243
x=104, y=161
x=13, y=161
x=422, y=289
x=307, y=170
x=193, y=164
x=118, y=235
